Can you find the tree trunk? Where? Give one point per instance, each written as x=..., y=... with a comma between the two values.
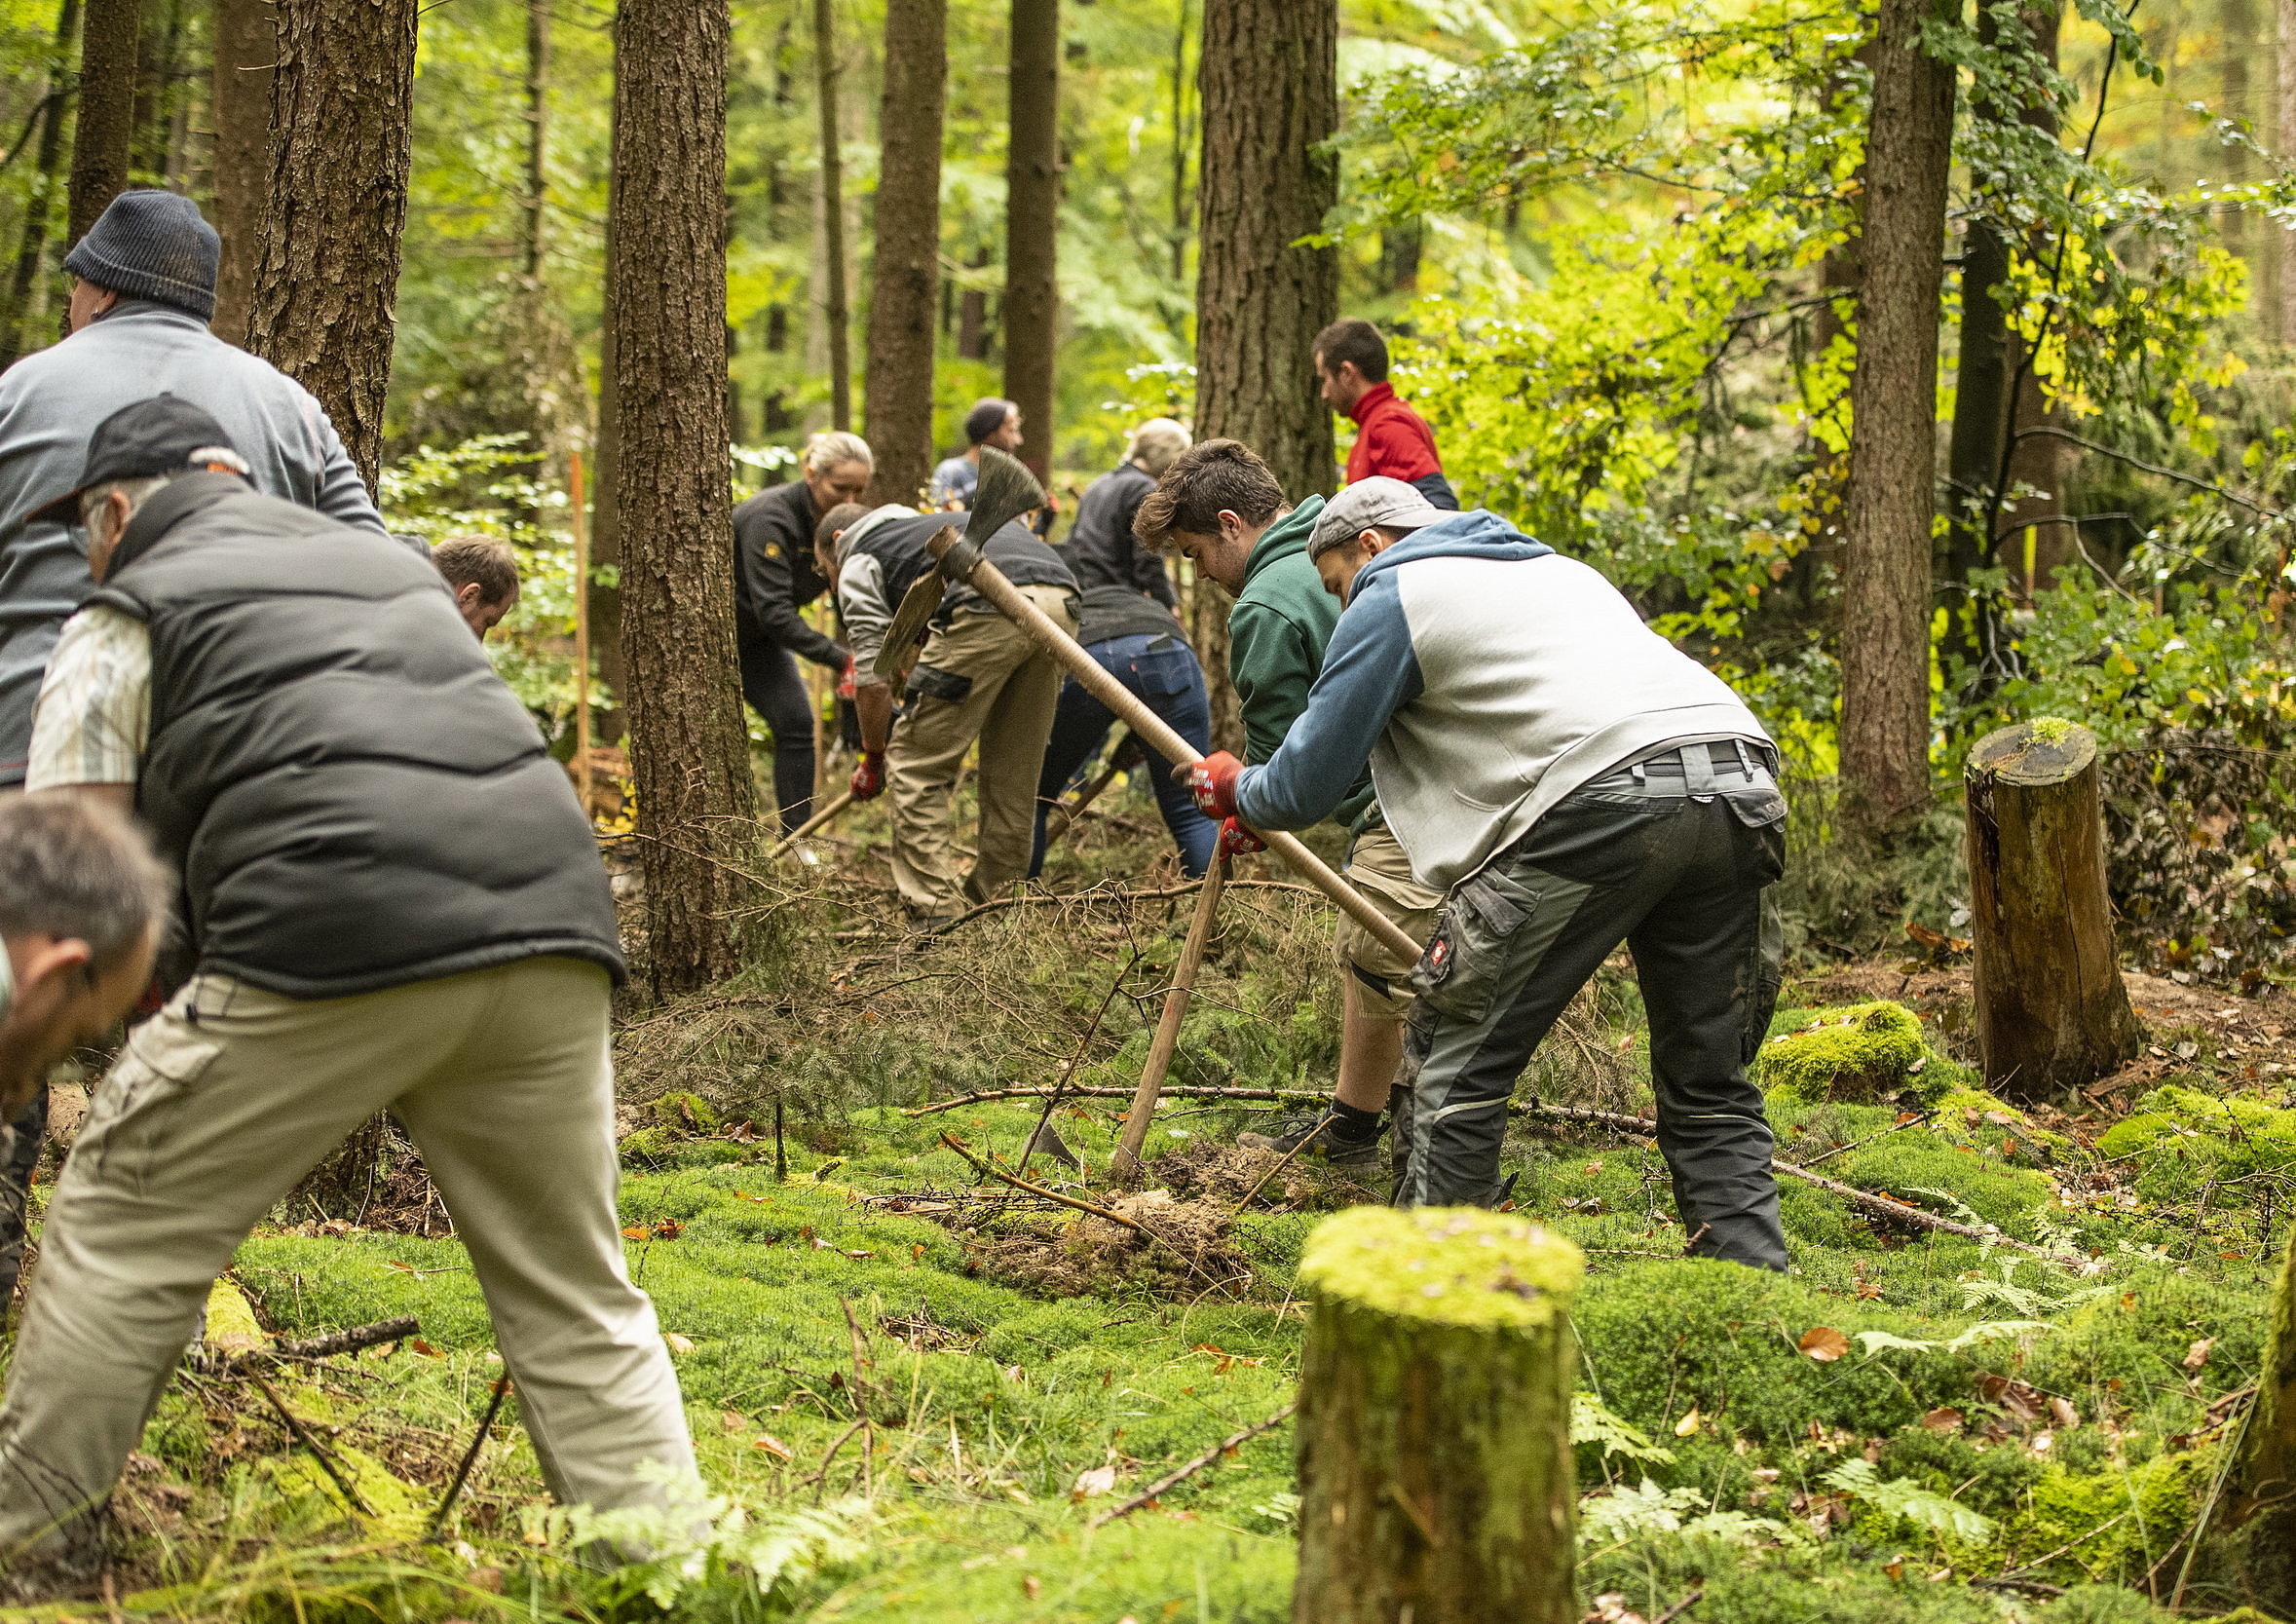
x=156, y=96
x=1267, y=74
x=1893, y=407
x=1183, y=216
x=606, y=477
x=1436, y=1477
x=1031, y=226
x=538, y=135
x=908, y=268
x=246, y=44
x=972, y=315
x=833, y=217
x=696, y=797
x=40, y=199
x=2051, y=1015
x=327, y=285
x=2282, y=325
x=2265, y=1501
x=101, y=136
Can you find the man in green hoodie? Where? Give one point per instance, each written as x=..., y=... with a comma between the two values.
x=1220, y=507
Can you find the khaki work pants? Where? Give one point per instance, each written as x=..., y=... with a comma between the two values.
x=1377, y=867
x=998, y=687
x=218, y=1107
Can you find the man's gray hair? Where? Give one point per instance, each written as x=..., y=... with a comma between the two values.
x=72, y=868
x=834, y=447
x=1156, y=444
x=137, y=491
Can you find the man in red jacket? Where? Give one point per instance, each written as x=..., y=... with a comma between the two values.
x=1390, y=439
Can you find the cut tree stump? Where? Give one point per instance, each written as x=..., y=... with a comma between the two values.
x=2051, y=1015
x=2264, y=1508
x=1434, y=1432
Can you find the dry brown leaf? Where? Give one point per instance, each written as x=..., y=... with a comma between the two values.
x=1823, y=1344
x=1688, y=1424
x=1098, y=1479
x=677, y=1344
x=2063, y=1413
x=1946, y=1419
x=2197, y=1356
x=772, y=1445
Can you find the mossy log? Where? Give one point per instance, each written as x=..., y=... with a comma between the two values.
x=2051, y=1015
x=2264, y=1508
x=1434, y=1431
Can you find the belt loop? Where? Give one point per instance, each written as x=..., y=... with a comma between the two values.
x=1698, y=771
x=1745, y=764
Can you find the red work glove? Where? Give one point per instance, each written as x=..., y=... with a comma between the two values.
x=1213, y=783
x=869, y=777
x=844, y=680
x=1236, y=841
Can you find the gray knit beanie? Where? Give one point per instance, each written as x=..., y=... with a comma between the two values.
x=152, y=245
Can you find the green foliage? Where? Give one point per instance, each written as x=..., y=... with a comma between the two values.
x=2183, y=1140
x=1864, y=1053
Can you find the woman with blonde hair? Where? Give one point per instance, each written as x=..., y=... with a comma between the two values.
x=1101, y=549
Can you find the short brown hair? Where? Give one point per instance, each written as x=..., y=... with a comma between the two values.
x=489, y=563
x=1205, y=479
x=844, y=516
x=1353, y=339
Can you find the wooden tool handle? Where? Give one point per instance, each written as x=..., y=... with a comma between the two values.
x=1166, y=1042
x=1155, y=732
x=824, y=815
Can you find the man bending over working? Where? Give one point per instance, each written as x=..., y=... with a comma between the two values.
x=1573, y=780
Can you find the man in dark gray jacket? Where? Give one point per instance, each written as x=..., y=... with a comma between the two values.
x=1102, y=549
x=144, y=291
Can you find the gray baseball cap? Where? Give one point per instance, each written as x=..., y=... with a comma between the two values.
x=1376, y=501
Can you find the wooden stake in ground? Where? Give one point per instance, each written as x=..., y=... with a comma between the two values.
x=2052, y=1013
x=1434, y=1430
x=819, y=820
x=2267, y=1484
x=1126, y=1161
x=581, y=632
x=1154, y=731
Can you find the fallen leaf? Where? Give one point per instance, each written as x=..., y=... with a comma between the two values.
x=1098, y=1479
x=772, y=1445
x=1688, y=1424
x=1823, y=1344
x=425, y=1348
x=633, y=1233
x=1032, y=1586
x=1895, y=1567
x=1946, y=1419
x=2063, y=1413
x=2197, y=1356
x=677, y=1344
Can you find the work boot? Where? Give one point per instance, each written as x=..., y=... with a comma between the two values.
x=1313, y=1134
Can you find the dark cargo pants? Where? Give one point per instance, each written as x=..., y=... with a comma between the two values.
x=1672, y=857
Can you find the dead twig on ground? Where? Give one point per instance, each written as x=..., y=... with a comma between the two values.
x=462, y=1472
x=1893, y=1127
x=862, y=1388
x=1067, y=1072
x=352, y=1340
x=1174, y=1479
x=1282, y=1161
x=1044, y=898
x=990, y=1170
x=1696, y=1596
x=318, y=1453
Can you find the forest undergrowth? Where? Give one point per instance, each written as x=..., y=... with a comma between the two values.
x=923, y=1392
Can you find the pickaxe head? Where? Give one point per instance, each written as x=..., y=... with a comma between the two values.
x=1007, y=490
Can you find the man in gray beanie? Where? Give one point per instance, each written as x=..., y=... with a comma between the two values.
x=143, y=289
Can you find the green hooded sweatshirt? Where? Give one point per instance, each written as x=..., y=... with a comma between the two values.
x=1277, y=634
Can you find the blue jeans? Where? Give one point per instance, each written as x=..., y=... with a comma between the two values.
x=1163, y=672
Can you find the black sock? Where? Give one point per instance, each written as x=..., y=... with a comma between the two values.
x=1357, y=1127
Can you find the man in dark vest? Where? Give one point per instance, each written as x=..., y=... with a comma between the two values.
x=978, y=677
x=390, y=900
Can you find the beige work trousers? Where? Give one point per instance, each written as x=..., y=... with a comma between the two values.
x=217, y=1108
x=1377, y=867
x=1015, y=686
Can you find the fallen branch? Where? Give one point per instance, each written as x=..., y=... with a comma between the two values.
x=1077, y=1202
x=1696, y=1596
x=1039, y=899
x=462, y=1473
x=352, y=1340
x=302, y=1435
x=1174, y=1479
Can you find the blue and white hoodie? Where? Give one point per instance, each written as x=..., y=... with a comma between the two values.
x=1484, y=677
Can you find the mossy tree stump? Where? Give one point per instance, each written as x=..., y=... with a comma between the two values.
x=1434, y=1431
x=2051, y=1015
x=2264, y=1508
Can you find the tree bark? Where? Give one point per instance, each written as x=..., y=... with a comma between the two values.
x=326, y=288
x=105, y=128
x=2265, y=1504
x=2052, y=1013
x=1892, y=487
x=1031, y=226
x=1267, y=75
x=1433, y=1426
x=246, y=44
x=40, y=198
x=538, y=133
x=906, y=293
x=2282, y=326
x=606, y=480
x=833, y=217
x=691, y=753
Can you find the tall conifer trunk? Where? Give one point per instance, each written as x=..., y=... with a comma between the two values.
x=105, y=129
x=327, y=289
x=908, y=276
x=1893, y=407
x=40, y=201
x=1031, y=226
x=246, y=44
x=696, y=797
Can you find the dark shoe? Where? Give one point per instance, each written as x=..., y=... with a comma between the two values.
x=1310, y=1134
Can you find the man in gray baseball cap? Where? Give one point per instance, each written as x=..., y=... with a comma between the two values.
x=1374, y=503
